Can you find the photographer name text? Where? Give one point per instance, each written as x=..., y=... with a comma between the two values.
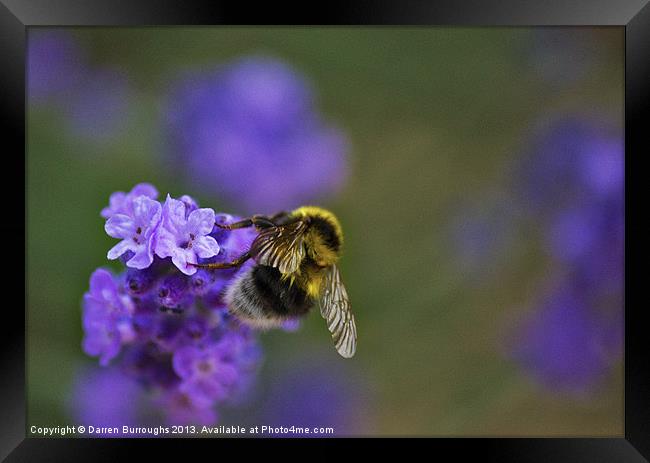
x=91, y=430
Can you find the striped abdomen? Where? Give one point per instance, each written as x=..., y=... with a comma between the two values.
x=260, y=297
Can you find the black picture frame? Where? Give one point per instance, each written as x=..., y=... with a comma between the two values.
x=633, y=15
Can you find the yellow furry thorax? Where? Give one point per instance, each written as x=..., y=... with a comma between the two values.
x=317, y=249
x=323, y=255
x=311, y=211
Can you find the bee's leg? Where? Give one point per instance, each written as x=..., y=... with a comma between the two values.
x=259, y=221
x=235, y=263
x=279, y=218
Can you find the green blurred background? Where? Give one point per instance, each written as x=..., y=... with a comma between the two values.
x=434, y=116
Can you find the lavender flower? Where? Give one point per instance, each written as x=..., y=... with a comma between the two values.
x=183, y=235
x=579, y=193
x=563, y=344
x=53, y=65
x=105, y=398
x=590, y=239
x=201, y=282
x=570, y=160
x=137, y=231
x=317, y=392
x=173, y=290
x=205, y=376
x=162, y=322
x=106, y=317
x=603, y=169
x=573, y=183
x=139, y=282
x=94, y=103
x=254, y=122
x=182, y=409
x=98, y=108
x=122, y=203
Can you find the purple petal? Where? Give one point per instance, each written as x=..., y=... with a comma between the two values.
x=181, y=259
x=206, y=247
x=165, y=245
x=190, y=203
x=142, y=258
x=227, y=374
x=183, y=360
x=145, y=189
x=120, y=226
x=121, y=203
x=112, y=350
x=146, y=211
x=102, y=342
x=204, y=390
x=201, y=221
x=121, y=397
x=115, y=203
x=183, y=409
x=95, y=314
x=120, y=248
x=174, y=215
x=100, y=280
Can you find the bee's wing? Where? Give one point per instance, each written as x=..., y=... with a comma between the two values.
x=281, y=247
x=335, y=309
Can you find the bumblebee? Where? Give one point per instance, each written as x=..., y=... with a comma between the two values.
x=295, y=256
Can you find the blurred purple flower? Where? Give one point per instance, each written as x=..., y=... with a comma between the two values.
x=570, y=160
x=138, y=282
x=93, y=102
x=173, y=291
x=602, y=266
x=316, y=392
x=106, y=317
x=54, y=64
x=105, y=397
x=148, y=364
x=603, y=167
x=572, y=184
x=205, y=375
x=169, y=331
x=99, y=107
x=182, y=410
x=563, y=344
x=573, y=233
x=254, y=124
x=201, y=282
x=589, y=240
x=575, y=182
